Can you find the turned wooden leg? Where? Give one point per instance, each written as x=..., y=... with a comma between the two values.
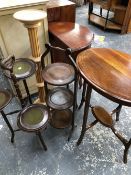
x=86, y=109
x=91, y=124
x=9, y=126
x=27, y=91
x=41, y=140
x=83, y=94
x=117, y=111
x=125, y=142
x=127, y=146
x=74, y=106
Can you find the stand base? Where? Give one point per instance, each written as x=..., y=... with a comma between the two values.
x=61, y=118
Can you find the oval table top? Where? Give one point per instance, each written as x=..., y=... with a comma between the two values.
x=108, y=71
x=73, y=35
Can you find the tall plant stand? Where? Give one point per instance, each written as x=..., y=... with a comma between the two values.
x=32, y=19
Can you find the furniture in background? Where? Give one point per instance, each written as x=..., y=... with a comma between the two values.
x=107, y=71
x=59, y=98
x=69, y=35
x=61, y=10
x=22, y=69
x=122, y=14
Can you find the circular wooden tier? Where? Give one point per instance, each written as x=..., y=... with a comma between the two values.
x=58, y=74
x=60, y=98
x=5, y=98
x=61, y=119
x=108, y=71
x=33, y=118
x=23, y=68
x=102, y=116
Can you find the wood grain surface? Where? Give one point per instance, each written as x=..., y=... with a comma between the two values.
x=108, y=71
x=71, y=34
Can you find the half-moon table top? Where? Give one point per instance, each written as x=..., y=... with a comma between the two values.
x=108, y=71
x=73, y=35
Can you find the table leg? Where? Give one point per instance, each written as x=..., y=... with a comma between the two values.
x=74, y=106
x=86, y=110
x=41, y=139
x=27, y=91
x=83, y=94
x=9, y=125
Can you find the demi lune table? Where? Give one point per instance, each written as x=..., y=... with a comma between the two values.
x=69, y=35
x=108, y=72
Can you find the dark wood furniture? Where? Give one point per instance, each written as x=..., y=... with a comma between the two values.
x=19, y=69
x=69, y=35
x=59, y=99
x=107, y=71
x=34, y=119
x=61, y=10
x=122, y=14
x=5, y=98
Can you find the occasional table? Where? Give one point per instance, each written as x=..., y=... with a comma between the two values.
x=69, y=35
x=108, y=72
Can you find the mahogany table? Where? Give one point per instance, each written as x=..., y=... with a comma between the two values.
x=108, y=72
x=69, y=35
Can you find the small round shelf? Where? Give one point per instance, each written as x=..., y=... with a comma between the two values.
x=5, y=98
x=33, y=118
x=102, y=116
x=58, y=74
x=23, y=68
x=61, y=119
x=60, y=98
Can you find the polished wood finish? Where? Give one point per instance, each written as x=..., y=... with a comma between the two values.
x=69, y=35
x=61, y=119
x=105, y=119
x=58, y=74
x=108, y=72
x=61, y=10
x=60, y=98
x=102, y=116
x=111, y=73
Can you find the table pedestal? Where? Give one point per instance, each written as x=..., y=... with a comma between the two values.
x=32, y=20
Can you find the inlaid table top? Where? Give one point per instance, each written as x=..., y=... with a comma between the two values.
x=73, y=35
x=108, y=71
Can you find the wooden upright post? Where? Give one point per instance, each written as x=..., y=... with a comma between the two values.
x=32, y=19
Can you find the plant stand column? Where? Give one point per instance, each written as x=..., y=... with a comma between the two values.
x=32, y=19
